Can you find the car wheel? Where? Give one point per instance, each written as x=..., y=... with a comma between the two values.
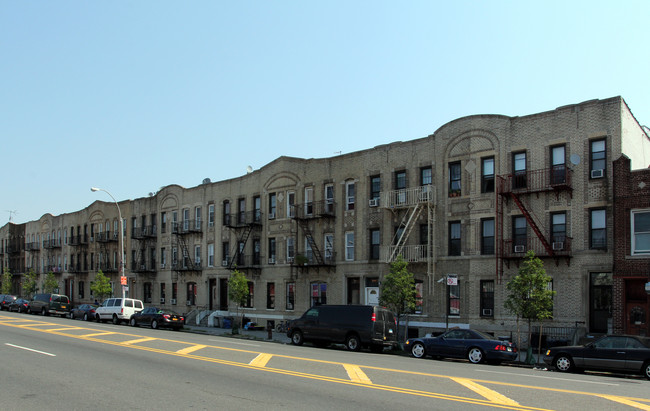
x=418, y=350
x=646, y=369
x=85, y=316
x=154, y=324
x=132, y=322
x=97, y=317
x=352, y=343
x=116, y=320
x=43, y=312
x=475, y=355
x=563, y=363
x=296, y=338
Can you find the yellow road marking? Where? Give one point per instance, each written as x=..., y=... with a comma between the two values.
x=139, y=340
x=64, y=329
x=626, y=401
x=190, y=349
x=261, y=360
x=355, y=374
x=97, y=334
x=485, y=392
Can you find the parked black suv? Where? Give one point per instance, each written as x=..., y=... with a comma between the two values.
x=46, y=304
x=355, y=326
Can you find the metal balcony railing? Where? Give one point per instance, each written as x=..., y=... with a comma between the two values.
x=546, y=179
x=517, y=248
x=406, y=197
x=313, y=209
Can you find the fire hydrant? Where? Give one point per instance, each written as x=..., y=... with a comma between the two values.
x=269, y=329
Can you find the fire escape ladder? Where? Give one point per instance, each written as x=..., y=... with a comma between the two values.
x=310, y=240
x=499, y=235
x=185, y=253
x=532, y=224
x=241, y=243
x=408, y=227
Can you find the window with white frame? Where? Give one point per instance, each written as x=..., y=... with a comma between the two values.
x=329, y=198
x=210, y=215
x=197, y=218
x=291, y=203
x=211, y=255
x=640, y=232
x=598, y=232
x=597, y=158
x=349, y=195
x=329, y=248
x=291, y=249
x=349, y=246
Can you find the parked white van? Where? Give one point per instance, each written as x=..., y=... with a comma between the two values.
x=118, y=309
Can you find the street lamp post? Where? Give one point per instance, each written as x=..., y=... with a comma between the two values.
x=119, y=212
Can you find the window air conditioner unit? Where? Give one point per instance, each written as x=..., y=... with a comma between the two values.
x=173, y=301
x=519, y=249
x=224, y=263
x=487, y=312
x=290, y=260
x=558, y=245
x=142, y=266
x=597, y=173
x=162, y=301
x=162, y=266
x=374, y=202
x=272, y=216
x=272, y=260
x=188, y=302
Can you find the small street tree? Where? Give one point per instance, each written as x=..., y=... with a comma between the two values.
x=398, y=290
x=528, y=294
x=30, y=284
x=6, y=282
x=50, y=285
x=238, y=293
x=101, y=287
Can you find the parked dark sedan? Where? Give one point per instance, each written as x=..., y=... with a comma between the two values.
x=19, y=305
x=156, y=317
x=85, y=311
x=614, y=353
x=5, y=300
x=474, y=345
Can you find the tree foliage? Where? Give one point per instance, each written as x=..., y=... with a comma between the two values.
x=238, y=291
x=101, y=286
x=398, y=289
x=51, y=284
x=30, y=284
x=6, y=282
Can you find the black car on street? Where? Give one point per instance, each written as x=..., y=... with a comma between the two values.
x=613, y=353
x=157, y=318
x=19, y=305
x=85, y=311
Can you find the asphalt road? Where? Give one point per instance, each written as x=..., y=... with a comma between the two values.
x=61, y=364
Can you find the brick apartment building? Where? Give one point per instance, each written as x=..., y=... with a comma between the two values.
x=464, y=203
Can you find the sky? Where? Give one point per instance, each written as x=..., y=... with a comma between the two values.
x=131, y=96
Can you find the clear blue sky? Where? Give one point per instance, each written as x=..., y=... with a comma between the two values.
x=131, y=96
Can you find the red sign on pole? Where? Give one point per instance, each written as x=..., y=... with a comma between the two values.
x=123, y=280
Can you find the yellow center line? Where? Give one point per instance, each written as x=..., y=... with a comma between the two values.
x=97, y=334
x=191, y=349
x=355, y=374
x=261, y=360
x=625, y=401
x=139, y=340
x=485, y=392
x=64, y=329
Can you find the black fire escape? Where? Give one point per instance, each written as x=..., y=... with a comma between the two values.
x=146, y=236
x=242, y=225
x=306, y=216
x=104, y=239
x=183, y=232
x=523, y=188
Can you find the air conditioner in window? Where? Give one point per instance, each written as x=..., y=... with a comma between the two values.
x=173, y=301
x=487, y=312
x=142, y=266
x=374, y=202
x=519, y=249
x=162, y=266
x=272, y=260
x=290, y=260
x=558, y=245
x=224, y=263
x=597, y=173
x=162, y=301
x=272, y=216
x=188, y=302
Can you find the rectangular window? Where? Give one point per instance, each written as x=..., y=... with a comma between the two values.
x=210, y=255
x=241, y=211
x=309, y=201
x=640, y=232
x=174, y=256
x=291, y=249
x=225, y=252
x=250, y=297
x=375, y=187
x=197, y=255
x=558, y=230
x=400, y=187
x=487, y=175
x=454, y=179
x=453, y=306
x=174, y=291
x=349, y=195
x=210, y=215
x=291, y=204
x=163, y=258
x=270, y=296
x=558, y=165
x=329, y=248
x=419, y=300
x=598, y=234
x=354, y=290
x=454, y=238
x=329, y=198
x=519, y=234
x=186, y=219
x=291, y=296
x=425, y=176
x=197, y=218
x=487, y=236
x=273, y=203
x=349, y=246
x=257, y=209
x=519, y=170
x=226, y=213
x=272, y=250
x=597, y=158
x=374, y=244
x=487, y=298
x=318, y=294
x=257, y=248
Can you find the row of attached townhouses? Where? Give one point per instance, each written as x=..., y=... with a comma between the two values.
x=462, y=206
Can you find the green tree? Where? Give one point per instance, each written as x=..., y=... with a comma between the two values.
x=528, y=294
x=51, y=284
x=398, y=290
x=101, y=286
x=30, y=283
x=237, y=293
x=6, y=282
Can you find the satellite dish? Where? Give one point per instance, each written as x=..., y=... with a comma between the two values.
x=574, y=159
x=206, y=181
x=150, y=194
x=249, y=169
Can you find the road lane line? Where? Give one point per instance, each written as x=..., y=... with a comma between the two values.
x=191, y=349
x=97, y=334
x=261, y=360
x=233, y=342
x=625, y=401
x=65, y=329
x=551, y=378
x=485, y=392
x=356, y=375
x=31, y=349
x=139, y=340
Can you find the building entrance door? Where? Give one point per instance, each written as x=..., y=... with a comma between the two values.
x=637, y=308
x=223, y=294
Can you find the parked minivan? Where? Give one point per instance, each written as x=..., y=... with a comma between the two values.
x=118, y=309
x=355, y=326
x=46, y=304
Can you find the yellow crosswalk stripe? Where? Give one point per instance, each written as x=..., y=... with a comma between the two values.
x=622, y=400
x=491, y=395
x=97, y=334
x=64, y=329
x=356, y=375
x=261, y=360
x=139, y=340
x=191, y=349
